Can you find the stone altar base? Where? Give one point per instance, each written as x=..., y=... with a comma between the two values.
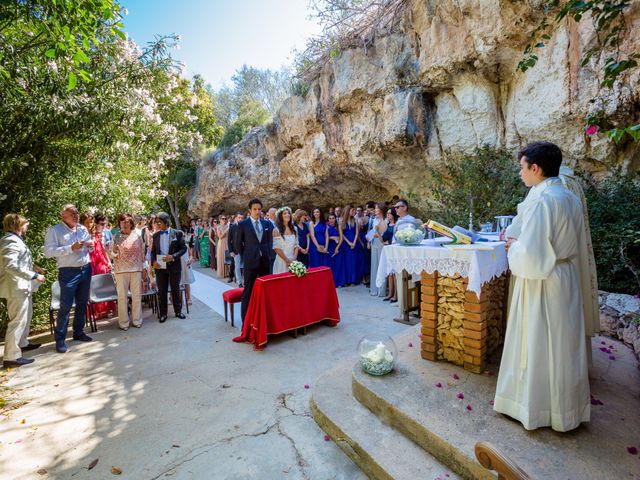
x=403, y=425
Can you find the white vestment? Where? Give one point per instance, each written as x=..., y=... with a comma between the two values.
x=543, y=378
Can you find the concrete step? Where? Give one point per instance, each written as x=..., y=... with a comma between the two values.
x=381, y=452
x=420, y=400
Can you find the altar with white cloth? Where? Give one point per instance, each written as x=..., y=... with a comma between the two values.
x=464, y=291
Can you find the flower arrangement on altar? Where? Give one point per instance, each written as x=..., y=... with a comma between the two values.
x=409, y=233
x=297, y=268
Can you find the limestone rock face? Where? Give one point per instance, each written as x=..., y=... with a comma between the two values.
x=375, y=118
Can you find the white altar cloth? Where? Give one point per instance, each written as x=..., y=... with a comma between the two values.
x=480, y=262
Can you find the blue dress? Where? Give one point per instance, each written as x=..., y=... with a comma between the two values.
x=317, y=259
x=352, y=274
x=303, y=240
x=336, y=263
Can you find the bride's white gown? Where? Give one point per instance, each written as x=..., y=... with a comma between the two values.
x=287, y=243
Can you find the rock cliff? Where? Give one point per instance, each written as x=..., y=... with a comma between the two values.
x=375, y=118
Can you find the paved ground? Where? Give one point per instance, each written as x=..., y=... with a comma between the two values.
x=180, y=400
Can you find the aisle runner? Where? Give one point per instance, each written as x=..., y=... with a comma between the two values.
x=209, y=291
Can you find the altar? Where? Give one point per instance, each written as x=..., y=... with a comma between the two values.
x=463, y=303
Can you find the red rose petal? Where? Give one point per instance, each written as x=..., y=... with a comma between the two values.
x=306, y=386
x=327, y=438
x=438, y=385
x=456, y=377
x=410, y=344
x=632, y=450
x=612, y=357
x=460, y=395
x=490, y=402
x=469, y=408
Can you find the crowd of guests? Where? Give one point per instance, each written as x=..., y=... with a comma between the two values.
x=144, y=254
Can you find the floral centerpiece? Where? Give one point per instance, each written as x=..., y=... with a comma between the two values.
x=297, y=268
x=409, y=233
x=377, y=355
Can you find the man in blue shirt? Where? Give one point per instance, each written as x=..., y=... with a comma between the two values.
x=70, y=243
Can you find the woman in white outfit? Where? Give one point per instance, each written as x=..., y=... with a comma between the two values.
x=127, y=251
x=285, y=241
x=375, y=237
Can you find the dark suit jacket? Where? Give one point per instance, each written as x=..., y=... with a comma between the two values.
x=247, y=245
x=233, y=230
x=177, y=248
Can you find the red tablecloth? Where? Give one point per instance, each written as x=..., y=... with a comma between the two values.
x=283, y=302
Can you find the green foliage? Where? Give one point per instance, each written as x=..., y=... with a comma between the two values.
x=488, y=176
x=615, y=229
x=251, y=114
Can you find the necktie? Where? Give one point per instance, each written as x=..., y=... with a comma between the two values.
x=164, y=232
x=258, y=228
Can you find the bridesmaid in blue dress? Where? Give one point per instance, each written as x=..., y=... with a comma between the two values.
x=363, y=266
x=335, y=255
x=302, y=228
x=318, y=256
x=349, y=231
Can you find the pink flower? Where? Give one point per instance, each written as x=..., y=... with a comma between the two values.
x=327, y=438
x=591, y=130
x=438, y=385
x=612, y=357
x=469, y=408
x=632, y=450
x=410, y=344
x=456, y=377
x=460, y=395
x=306, y=387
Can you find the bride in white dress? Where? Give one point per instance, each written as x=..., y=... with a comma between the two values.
x=285, y=241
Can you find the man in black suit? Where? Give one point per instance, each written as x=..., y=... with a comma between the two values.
x=254, y=242
x=166, y=249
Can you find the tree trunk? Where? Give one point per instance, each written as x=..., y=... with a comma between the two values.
x=175, y=211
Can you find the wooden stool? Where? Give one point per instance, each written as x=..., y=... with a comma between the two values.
x=231, y=296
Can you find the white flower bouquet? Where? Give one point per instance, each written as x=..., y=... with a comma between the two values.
x=409, y=233
x=297, y=268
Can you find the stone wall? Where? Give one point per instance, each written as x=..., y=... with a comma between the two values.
x=374, y=119
x=620, y=318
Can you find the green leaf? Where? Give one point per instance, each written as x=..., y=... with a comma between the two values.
x=80, y=57
x=634, y=131
x=85, y=43
x=539, y=44
x=616, y=134
x=84, y=75
x=72, y=81
x=51, y=53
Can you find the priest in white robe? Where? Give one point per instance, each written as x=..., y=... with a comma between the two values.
x=543, y=379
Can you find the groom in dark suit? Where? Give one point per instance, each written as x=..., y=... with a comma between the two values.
x=254, y=242
x=166, y=249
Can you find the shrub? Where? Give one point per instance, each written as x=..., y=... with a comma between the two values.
x=487, y=175
x=615, y=229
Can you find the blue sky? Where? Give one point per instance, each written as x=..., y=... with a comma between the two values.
x=220, y=36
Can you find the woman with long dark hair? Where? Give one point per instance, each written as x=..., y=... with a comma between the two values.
x=318, y=256
x=349, y=230
x=285, y=241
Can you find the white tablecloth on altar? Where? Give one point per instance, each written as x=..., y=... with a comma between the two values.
x=479, y=262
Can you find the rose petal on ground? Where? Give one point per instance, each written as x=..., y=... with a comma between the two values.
x=306, y=386
x=438, y=385
x=456, y=377
x=327, y=438
x=603, y=343
x=410, y=344
x=612, y=357
x=632, y=450
x=460, y=395
x=469, y=408
x=490, y=402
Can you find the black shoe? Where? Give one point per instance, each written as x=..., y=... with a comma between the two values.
x=163, y=319
x=230, y=280
x=18, y=362
x=386, y=299
x=181, y=316
x=31, y=346
x=82, y=337
x=393, y=301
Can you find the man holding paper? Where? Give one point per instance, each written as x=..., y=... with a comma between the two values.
x=543, y=378
x=166, y=249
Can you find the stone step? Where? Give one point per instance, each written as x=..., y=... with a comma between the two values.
x=420, y=400
x=381, y=452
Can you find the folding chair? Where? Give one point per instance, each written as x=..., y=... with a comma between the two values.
x=54, y=306
x=103, y=289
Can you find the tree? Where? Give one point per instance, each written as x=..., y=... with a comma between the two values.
x=251, y=114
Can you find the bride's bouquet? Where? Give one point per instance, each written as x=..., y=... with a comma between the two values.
x=297, y=268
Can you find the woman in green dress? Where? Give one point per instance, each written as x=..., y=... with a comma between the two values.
x=204, y=245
